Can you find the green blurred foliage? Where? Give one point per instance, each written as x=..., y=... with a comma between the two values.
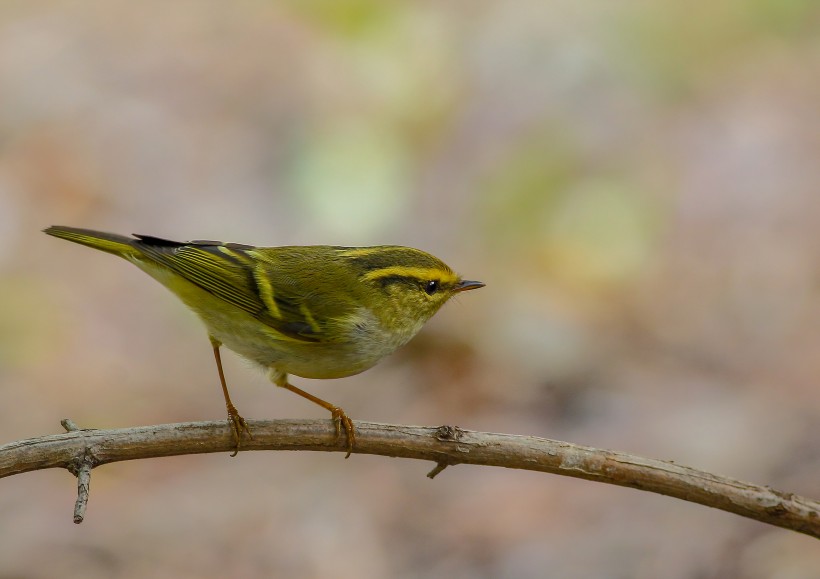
x=352, y=19
x=32, y=327
x=345, y=167
x=527, y=182
x=671, y=46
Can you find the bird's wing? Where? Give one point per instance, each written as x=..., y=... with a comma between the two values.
x=248, y=279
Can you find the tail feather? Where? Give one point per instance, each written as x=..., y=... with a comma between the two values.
x=108, y=242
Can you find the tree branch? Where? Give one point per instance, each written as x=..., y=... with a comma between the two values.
x=80, y=450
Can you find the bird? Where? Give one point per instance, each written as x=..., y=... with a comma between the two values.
x=314, y=311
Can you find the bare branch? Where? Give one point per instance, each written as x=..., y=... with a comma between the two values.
x=446, y=445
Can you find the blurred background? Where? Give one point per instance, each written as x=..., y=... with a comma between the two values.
x=638, y=183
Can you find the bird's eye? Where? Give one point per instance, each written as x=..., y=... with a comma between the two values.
x=431, y=287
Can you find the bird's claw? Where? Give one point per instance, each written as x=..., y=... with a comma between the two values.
x=238, y=426
x=342, y=420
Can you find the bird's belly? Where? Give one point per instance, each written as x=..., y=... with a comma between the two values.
x=305, y=359
x=360, y=350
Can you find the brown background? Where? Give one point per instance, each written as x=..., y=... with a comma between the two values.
x=637, y=183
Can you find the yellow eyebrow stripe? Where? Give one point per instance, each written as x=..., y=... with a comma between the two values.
x=420, y=273
x=266, y=292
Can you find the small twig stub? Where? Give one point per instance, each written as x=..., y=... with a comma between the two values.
x=83, y=489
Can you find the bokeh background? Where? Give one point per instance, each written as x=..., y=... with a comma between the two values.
x=638, y=183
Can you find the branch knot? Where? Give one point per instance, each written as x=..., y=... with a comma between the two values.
x=449, y=433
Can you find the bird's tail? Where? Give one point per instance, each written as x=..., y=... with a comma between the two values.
x=108, y=242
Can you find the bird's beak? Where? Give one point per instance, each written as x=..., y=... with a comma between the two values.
x=465, y=285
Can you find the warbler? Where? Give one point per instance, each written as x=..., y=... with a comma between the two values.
x=313, y=311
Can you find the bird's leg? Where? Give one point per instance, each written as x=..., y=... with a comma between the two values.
x=340, y=419
x=237, y=423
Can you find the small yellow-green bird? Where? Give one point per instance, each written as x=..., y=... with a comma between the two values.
x=314, y=311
